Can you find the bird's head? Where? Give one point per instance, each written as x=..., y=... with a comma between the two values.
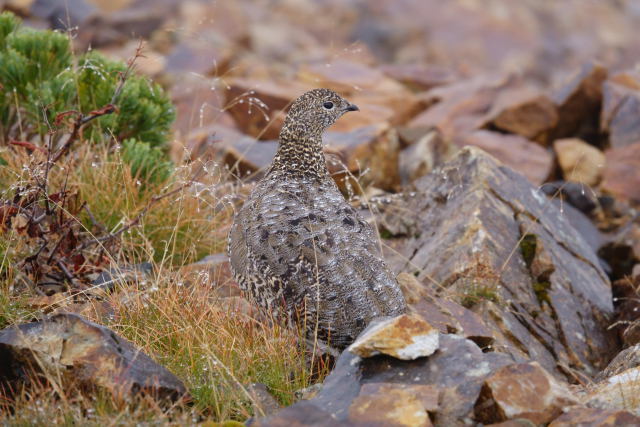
x=317, y=110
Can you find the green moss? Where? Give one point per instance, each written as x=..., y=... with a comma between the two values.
x=528, y=245
x=541, y=289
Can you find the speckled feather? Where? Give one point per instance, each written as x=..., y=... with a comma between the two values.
x=297, y=247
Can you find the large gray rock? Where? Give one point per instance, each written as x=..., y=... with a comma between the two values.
x=481, y=234
x=395, y=392
x=92, y=355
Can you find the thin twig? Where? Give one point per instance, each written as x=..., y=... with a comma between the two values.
x=83, y=119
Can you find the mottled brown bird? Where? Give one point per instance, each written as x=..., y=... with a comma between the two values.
x=299, y=249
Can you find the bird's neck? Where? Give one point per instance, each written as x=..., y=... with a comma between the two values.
x=300, y=153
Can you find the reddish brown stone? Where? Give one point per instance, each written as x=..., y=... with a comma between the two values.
x=255, y=105
x=520, y=154
x=420, y=77
x=524, y=112
x=621, y=177
x=371, y=149
x=591, y=417
x=460, y=107
x=579, y=101
x=522, y=390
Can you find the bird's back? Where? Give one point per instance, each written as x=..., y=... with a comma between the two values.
x=297, y=245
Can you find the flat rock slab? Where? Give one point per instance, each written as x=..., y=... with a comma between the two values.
x=482, y=235
x=86, y=352
x=392, y=392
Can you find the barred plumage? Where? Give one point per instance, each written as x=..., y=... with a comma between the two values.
x=299, y=249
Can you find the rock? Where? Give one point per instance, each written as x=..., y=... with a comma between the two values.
x=241, y=154
x=423, y=156
x=69, y=345
x=364, y=86
x=580, y=222
x=523, y=390
x=454, y=374
x=420, y=77
x=627, y=320
x=256, y=106
x=21, y=7
x=619, y=391
x=579, y=161
x=262, y=401
x=520, y=154
x=579, y=102
x=301, y=414
x=406, y=337
x=460, y=107
x=589, y=417
x=620, y=176
x=628, y=358
x=445, y=315
x=123, y=275
x=62, y=15
x=368, y=153
x=483, y=236
x=394, y=405
x=620, y=109
x=527, y=113
x=199, y=104
x=577, y=195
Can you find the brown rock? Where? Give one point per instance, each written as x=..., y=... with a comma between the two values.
x=522, y=390
x=199, y=103
x=406, y=337
x=364, y=86
x=590, y=417
x=524, y=112
x=579, y=102
x=454, y=373
x=394, y=405
x=620, y=176
x=420, y=77
x=620, y=108
x=242, y=155
x=494, y=243
x=516, y=152
x=69, y=345
x=369, y=153
x=579, y=161
x=423, y=156
x=255, y=105
x=459, y=108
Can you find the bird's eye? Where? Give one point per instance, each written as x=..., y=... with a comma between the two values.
x=328, y=105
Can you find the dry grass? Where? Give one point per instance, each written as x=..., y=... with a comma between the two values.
x=215, y=347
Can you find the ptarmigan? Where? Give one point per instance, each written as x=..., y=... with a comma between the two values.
x=299, y=249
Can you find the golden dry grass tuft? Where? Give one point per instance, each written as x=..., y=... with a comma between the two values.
x=214, y=345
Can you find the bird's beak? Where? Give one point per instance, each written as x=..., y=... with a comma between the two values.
x=352, y=107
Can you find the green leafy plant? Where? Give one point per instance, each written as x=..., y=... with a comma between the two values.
x=147, y=163
x=42, y=84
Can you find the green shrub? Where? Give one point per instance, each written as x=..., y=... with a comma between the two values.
x=40, y=78
x=147, y=163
